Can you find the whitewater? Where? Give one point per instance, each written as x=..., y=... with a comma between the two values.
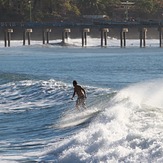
x=123, y=122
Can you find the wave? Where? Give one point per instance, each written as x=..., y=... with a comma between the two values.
x=34, y=93
x=123, y=126
x=30, y=110
x=129, y=129
x=31, y=94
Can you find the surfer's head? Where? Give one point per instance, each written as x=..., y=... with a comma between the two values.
x=75, y=83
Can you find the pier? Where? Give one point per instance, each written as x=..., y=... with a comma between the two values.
x=104, y=28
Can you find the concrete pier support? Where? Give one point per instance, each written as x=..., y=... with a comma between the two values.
x=46, y=35
x=84, y=36
x=143, y=35
x=7, y=36
x=27, y=33
x=160, y=29
x=123, y=37
x=65, y=33
x=104, y=32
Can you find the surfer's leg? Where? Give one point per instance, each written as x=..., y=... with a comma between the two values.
x=77, y=103
x=83, y=103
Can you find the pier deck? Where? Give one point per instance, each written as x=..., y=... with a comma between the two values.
x=95, y=24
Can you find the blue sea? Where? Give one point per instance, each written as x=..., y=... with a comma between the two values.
x=123, y=122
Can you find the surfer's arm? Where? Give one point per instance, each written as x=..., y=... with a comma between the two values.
x=73, y=95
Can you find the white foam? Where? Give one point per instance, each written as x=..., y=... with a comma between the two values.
x=21, y=96
x=91, y=42
x=125, y=132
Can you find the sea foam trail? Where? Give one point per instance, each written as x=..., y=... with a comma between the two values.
x=128, y=130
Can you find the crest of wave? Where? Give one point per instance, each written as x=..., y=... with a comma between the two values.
x=147, y=93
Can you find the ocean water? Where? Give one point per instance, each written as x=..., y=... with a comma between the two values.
x=123, y=122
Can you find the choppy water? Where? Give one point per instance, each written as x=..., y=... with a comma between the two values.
x=123, y=122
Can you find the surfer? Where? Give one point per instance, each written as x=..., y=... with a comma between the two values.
x=81, y=95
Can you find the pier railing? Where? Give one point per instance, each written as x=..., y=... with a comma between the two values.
x=95, y=24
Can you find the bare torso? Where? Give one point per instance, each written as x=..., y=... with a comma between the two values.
x=79, y=91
